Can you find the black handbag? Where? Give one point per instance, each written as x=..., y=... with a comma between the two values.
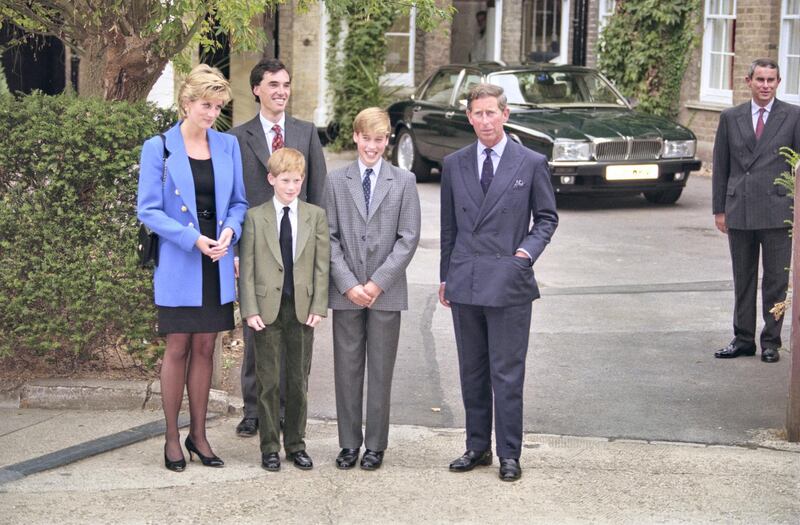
x=147, y=239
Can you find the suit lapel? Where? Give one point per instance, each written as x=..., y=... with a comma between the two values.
x=353, y=176
x=179, y=170
x=773, y=124
x=223, y=171
x=257, y=140
x=506, y=169
x=384, y=183
x=303, y=228
x=469, y=174
x=271, y=231
x=745, y=122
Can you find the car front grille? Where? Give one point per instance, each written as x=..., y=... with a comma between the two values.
x=612, y=150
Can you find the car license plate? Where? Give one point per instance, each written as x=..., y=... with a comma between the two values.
x=632, y=172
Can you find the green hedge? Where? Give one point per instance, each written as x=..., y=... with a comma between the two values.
x=68, y=279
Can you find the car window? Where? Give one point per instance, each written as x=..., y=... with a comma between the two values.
x=471, y=78
x=440, y=88
x=557, y=88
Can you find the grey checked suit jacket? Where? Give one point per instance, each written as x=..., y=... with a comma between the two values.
x=378, y=247
x=745, y=170
x=480, y=234
x=299, y=135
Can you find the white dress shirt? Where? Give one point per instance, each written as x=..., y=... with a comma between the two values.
x=292, y=220
x=754, y=108
x=268, y=131
x=373, y=179
x=497, y=152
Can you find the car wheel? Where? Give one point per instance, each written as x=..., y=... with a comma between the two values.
x=406, y=156
x=670, y=196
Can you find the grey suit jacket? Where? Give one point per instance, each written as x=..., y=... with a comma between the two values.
x=378, y=247
x=299, y=135
x=744, y=171
x=480, y=234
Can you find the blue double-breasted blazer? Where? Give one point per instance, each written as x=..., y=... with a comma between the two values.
x=171, y=211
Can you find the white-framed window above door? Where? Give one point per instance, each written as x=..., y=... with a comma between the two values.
x=605, y=10
x=789, y=52
x=545, y=30
x=400, y=41
x=719, y=35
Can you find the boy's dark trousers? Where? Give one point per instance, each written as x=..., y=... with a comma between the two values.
x=294, y=340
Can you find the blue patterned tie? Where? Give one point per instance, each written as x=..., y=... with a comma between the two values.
x=488, y=171
x=367, y=185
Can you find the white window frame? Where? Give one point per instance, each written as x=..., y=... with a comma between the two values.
x=407, y=78
x=783, y=55
x=707, y=93
x=605, y=10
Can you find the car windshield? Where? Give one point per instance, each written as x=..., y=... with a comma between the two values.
x=557, y=89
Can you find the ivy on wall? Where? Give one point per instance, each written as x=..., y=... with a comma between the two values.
x=646, y=47
x=356, y=60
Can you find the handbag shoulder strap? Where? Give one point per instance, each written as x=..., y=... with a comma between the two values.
x=164, y=160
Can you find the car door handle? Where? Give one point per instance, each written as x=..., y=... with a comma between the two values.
x=449, y=114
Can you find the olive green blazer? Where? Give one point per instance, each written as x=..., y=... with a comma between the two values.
x=261, y=266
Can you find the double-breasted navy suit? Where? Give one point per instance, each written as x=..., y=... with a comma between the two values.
x=170, y=210
x=490, y=289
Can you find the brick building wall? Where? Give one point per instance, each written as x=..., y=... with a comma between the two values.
x=592, y=24
x=510, y=46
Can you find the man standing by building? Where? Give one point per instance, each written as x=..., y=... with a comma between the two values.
x=490, y=190
x=268, y=131
x=478, y=51
x=751, y=209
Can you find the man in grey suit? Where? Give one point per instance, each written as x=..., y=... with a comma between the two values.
x=490, y=191
x=374, y=220
x=272, y=129
x=751, y=209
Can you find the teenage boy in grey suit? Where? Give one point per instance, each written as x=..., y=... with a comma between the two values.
x=490, y=191
x=751, y=209
x=374, y=219
x=268, y=131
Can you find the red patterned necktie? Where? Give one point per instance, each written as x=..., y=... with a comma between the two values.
x=277, y=140
x=760, y=123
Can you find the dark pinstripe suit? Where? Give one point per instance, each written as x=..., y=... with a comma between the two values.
x=756, y=211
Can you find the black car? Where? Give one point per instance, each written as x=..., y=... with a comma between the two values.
x=595, y=141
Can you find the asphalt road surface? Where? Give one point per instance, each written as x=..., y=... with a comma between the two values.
x=635, y=299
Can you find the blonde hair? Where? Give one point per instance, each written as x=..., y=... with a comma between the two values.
x=286, y=159
x=203, y=82
x=372, y=120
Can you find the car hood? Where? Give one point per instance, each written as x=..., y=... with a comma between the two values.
x=595, y=123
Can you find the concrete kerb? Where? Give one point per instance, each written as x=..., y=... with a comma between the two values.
x=99, y=394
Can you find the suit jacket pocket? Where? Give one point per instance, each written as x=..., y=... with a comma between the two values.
x=508, y=279
x=261, y=289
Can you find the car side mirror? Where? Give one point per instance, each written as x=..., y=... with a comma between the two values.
x=413, y=96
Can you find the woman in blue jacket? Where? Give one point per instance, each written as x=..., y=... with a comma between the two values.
x=197, y=210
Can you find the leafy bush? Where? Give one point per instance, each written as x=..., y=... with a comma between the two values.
x=355, y=65
x=646, y=47
x=68, y=278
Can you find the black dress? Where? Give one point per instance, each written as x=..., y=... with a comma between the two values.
x=212, y=316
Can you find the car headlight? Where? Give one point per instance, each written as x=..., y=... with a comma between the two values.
x=674, y=149
x=572, y=150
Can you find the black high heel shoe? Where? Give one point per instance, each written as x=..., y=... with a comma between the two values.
x=175, y=466
x=207, y=461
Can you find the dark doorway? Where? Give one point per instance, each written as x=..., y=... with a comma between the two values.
x=35, y=64
x=220, y=58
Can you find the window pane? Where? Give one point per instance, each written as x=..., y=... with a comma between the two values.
x=793, y=76
x=727, y=7
x=727, y=73
x=469, y=81
x=794, y=36
x=718, y=44
x=397, y=54
x=400, y=25
x=715, y=72
x=793, y=7
x=441, y=87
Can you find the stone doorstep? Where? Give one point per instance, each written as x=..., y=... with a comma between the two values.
x=98, y=394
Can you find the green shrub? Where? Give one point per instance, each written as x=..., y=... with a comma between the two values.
x=69, y=284
x=646, y=47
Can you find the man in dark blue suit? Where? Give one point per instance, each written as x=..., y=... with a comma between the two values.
x=490, y=191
